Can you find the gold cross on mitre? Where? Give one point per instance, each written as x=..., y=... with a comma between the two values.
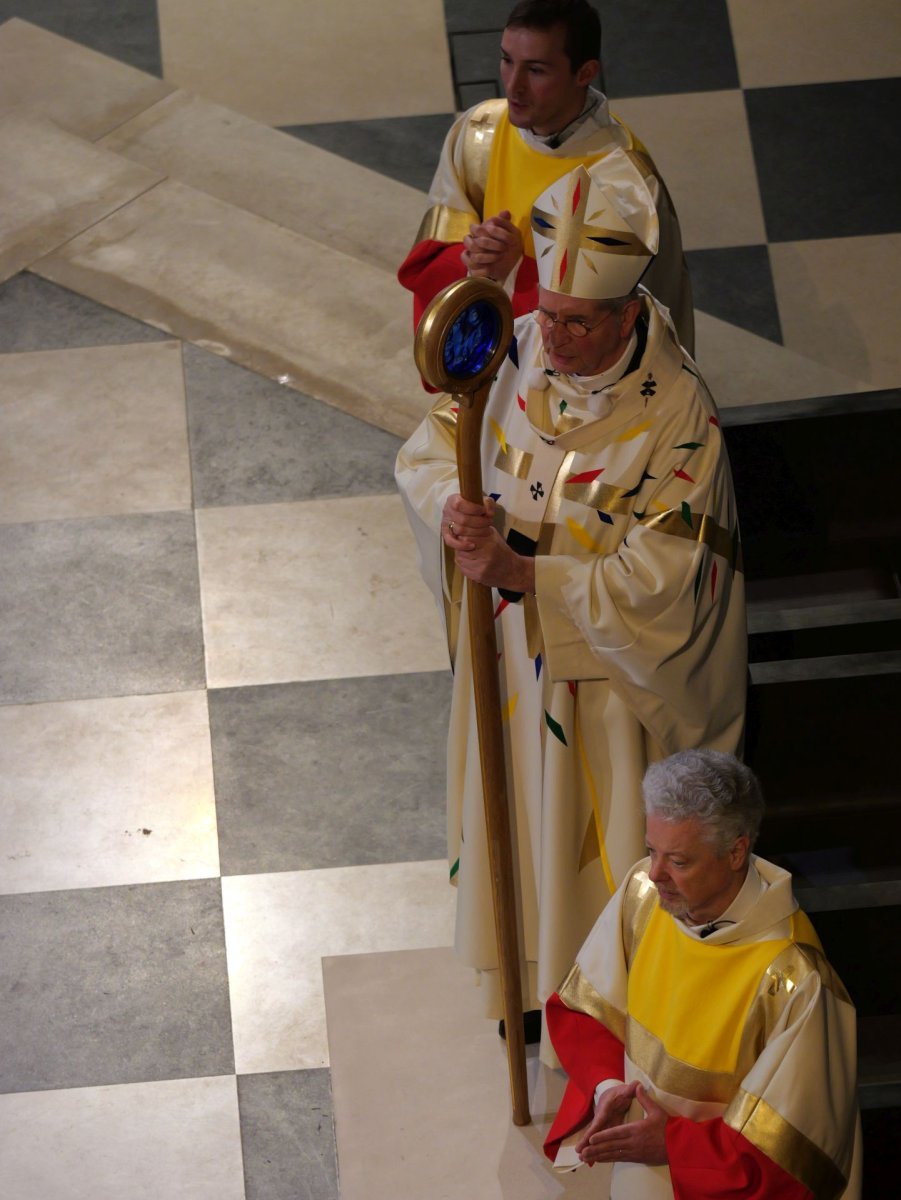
x=573, y=233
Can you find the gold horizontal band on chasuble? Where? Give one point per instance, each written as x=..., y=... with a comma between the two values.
x=605, y=496
x=698, y=527
x=672, y=1075
x=764, y=1128
x=513, y=461
x=581, y=996
x=443, y=224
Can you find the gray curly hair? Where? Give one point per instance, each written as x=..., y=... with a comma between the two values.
x=715, y=788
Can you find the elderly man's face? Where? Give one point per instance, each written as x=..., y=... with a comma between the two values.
x=693, y=881
x=599, y=349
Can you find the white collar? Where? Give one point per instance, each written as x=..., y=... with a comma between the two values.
x=748, y=895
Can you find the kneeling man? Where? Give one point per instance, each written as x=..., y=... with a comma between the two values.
x=710, y=1047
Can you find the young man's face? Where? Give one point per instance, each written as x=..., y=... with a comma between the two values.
x=543, y=92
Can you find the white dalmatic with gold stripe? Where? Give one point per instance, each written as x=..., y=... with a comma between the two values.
x=633, y=647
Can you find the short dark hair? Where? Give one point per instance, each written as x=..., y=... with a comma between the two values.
x=580, y=21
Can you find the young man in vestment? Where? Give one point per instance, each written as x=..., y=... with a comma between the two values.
x=710, y=1047
x=501, y=154
x=609, y=531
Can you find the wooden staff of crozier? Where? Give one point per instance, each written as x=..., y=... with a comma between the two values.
x=461, y=342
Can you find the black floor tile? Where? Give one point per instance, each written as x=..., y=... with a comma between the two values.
x=127, y=30
x=476, y=14
x=403, y=148
x=652, y=49
x=735, y=283
x=337, y=772
x=103, y=607
x=828, y=158
x=288, y=1136
x=256, y=442
x=113, y=985
x=475, y=58
x=36, y=314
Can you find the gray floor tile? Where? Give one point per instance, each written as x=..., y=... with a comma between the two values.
x=256, y=442
x=652, y=49
x=333, y=773
x=36, y=314
x=735, y=283
x=476, y=57
x=475, y=14
x=828, y=158
x=113, y=985
x=288, y=1136
x=127, y=30
x=403, y=148
x=105, y=607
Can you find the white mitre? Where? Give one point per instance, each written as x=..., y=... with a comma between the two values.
x=595, y=240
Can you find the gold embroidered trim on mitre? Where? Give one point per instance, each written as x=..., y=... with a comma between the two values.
x=581, y=996
x=575, y=229
x=764, y=1128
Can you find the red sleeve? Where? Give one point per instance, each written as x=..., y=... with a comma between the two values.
x=589, y=1053
x=708, y=1160
x=429, y=267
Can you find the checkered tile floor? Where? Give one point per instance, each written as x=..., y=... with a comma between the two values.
x=222, y=694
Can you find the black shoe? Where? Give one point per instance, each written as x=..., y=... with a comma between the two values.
x=531, y=1027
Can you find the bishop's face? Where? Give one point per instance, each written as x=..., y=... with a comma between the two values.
x=607, y=332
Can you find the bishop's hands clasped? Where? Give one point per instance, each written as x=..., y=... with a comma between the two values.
x=492, y=248
x=479, y=550
x=611, y=1138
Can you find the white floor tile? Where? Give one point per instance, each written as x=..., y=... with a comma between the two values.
x=60, y=186
x=418, y=1074
x=177, y=1140
x=317, y=590
x=287, y=63
x=741, y=368
x=787, y=42
x=78, y=89
x=839, y=303
x=278, y=928
x=95, y=793
x=93, y=432
x=275, y=175
x=701, y=144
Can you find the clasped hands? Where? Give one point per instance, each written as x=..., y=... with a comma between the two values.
x=479, y=550
x=610, y=1138
x=492, y=248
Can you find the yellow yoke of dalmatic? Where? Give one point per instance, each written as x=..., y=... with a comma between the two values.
x=517, y=174
x=697, y=1002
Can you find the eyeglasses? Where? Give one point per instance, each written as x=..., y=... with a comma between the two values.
x=576, y=327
